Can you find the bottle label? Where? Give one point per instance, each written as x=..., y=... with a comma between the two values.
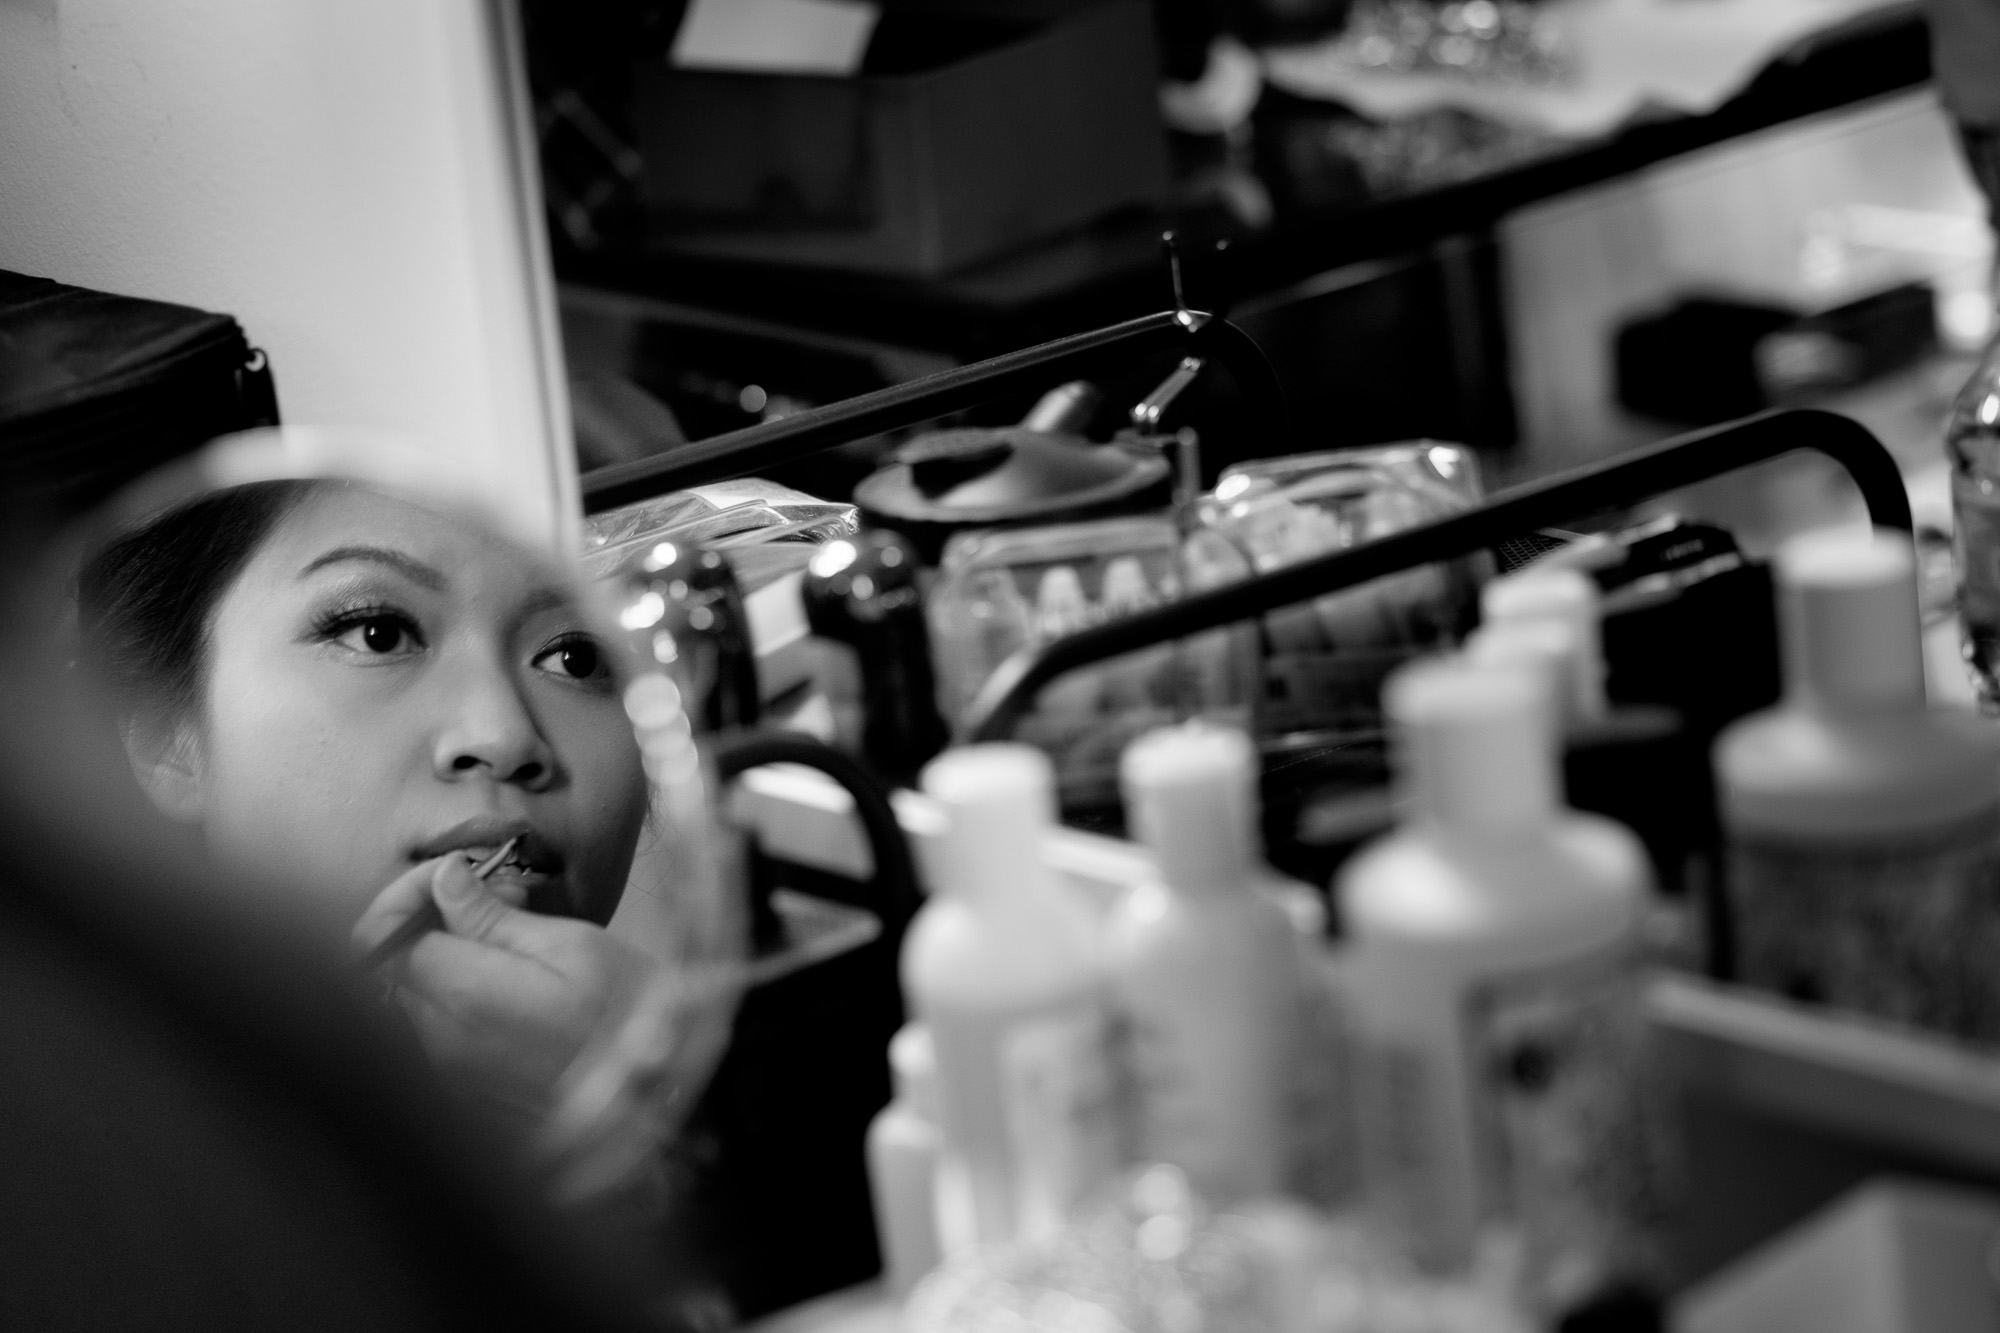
x=1904, y=929
x=1530, y=1122
x=1567, y=1147
x=1320, y=1129
x=1406, y=1149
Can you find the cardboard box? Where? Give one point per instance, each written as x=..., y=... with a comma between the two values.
x=964, y=136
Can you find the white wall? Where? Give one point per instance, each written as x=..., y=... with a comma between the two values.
x=1731, y=219
x=343, y=176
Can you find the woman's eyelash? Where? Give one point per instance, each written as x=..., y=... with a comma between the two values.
x=589, y=652
x=332, y=624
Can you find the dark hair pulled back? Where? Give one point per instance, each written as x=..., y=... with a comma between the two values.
x=145, y=602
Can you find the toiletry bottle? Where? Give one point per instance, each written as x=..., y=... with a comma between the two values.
x=1002, y=965
x=1863, y=825
x=902, y=1151
x=1061, y=605
x=1551, y=648
x=1071, y=702
x=1204, y=967
x=1569, y=597
x=1493, y=988
x=1131, y=680
x=1638, y=764
x=861, y=591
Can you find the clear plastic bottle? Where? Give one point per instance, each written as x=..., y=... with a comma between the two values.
x=1972, y=446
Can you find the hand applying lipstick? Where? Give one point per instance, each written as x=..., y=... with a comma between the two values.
x=427, y=918
x=501, y=994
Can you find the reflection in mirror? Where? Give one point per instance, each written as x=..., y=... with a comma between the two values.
x=369, y=701
x=337, y=686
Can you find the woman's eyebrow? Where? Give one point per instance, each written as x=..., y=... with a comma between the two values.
x=414, y=570
x=544, y=599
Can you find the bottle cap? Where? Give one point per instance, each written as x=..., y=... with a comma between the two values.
x=1566, y=595
x=913, y=1068
x=997, y=802
x=1475, y=747
x=1191, y=798
x=1852, y=635
x=1547, y=647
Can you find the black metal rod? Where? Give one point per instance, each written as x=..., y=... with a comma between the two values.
x=1614, y=483
x=744, y=451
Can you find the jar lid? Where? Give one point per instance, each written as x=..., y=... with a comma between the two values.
x=1005, y=475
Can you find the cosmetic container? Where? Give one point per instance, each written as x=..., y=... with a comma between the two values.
x=1205, y=969
x=1863, y=825
x=1494, y=991
x=1002, y=964
x=902, y=1149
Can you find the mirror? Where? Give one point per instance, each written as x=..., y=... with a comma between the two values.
x=345, y=672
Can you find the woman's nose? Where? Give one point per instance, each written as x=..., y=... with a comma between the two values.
x=491, y=732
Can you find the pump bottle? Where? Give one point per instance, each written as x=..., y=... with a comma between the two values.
x=1863, y=825
x=1493, y=989
x=1002, y=965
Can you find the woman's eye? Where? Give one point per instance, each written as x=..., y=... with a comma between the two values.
x=379, y=635
x=576, y=659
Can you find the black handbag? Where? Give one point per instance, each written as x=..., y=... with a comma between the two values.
x=97, y=389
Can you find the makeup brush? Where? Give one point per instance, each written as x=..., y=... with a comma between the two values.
x=427, y=918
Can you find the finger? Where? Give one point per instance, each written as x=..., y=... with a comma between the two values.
x=480, y=983
x=406, y=895
x=473, y=910
x=475, y=1005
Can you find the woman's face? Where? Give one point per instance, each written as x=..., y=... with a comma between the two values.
x=384, y=686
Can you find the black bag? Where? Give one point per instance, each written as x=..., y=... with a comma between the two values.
x=97, y=389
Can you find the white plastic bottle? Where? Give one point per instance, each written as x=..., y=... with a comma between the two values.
x=902, y=1150
x=1568, y=597
x=1205, y=969
x=1551, y=647
x=1863, y=826
x=1002, y=965
x=1493, y=987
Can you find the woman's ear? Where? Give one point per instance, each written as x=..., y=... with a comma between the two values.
x=166, y=758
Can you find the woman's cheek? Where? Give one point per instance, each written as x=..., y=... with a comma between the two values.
x=613, y=796
x=300, y=798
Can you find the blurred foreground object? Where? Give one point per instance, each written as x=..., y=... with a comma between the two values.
x=1152, y=1258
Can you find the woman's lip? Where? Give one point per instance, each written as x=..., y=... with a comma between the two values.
x=479, y=839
